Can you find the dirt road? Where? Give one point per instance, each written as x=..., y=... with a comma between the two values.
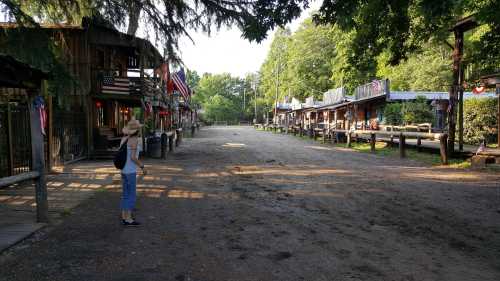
x=239, y=204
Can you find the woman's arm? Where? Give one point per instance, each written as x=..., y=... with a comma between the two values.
x=133, y=151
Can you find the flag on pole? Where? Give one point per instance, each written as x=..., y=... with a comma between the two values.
x=179, y=79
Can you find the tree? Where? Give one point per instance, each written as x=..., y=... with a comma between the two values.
x=480, y=120
x=426, y=70
x=392, y=114
x=401, y=26
x=417, y=111
x=309, y=63
x=221, y=97
x=274, y=69
x=166, y=20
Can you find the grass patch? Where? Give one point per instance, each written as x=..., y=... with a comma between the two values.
x=492, y=145
x=382, y=148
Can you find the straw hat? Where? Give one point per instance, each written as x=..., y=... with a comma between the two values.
x=132, y=127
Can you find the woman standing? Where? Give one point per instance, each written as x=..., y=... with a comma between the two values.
x=129, y=171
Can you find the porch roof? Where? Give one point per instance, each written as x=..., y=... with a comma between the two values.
x=15, y=74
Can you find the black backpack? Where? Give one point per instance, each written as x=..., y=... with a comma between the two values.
x=121, y=156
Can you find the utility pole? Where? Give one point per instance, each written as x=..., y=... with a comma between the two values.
x=255, y=101
x=277, y=86
x=244, y=97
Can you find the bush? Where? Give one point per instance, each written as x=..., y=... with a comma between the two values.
x=480, y=120
x=417, y=111
x=392, y=114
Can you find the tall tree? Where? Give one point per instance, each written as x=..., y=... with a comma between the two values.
x=167, y=20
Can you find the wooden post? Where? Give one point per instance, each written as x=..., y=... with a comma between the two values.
x=391, y=141
x=348, y=135
x=419, y=141
x=457, y=57
x=324, y=135
x=402, y=152
x=498, y=113
x=38, y=156
x=443, y=150
x=372, y=143
x=461, y=109
x=50, y=133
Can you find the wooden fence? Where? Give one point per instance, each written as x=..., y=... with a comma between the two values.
x=15, y=139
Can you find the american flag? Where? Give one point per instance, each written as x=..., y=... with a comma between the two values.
x=179, y=79
x=115, y=85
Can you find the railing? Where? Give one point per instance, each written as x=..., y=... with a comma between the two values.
x=443, y=139
x=137, y=85
x=373, y=89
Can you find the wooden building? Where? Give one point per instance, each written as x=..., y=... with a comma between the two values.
x=22, y=128
x=108, y=70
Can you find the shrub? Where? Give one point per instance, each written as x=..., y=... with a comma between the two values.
x=417, y=111
x=480, y=120
x=392, y=114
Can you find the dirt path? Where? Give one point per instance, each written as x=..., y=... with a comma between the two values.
x=239, y=204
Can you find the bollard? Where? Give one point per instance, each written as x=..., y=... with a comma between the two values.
x=164, y=144
x=372, y=143
x=402, y=151
x=171, y=142
x=178, y=139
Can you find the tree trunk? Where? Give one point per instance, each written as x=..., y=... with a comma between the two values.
x=134, y=12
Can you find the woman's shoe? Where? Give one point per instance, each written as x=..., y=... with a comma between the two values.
x=132, y=223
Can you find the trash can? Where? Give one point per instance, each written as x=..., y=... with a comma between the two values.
x=154, y=147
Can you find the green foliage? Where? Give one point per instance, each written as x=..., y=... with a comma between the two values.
x=480, y=120
x=393, y=114
x=299, y=64
x=427, y=70
x=417, y=111
x=401, y=26
x=165, y=20
x=221, y=97
x=309, y=63
x=44, y=53
x=274, y=69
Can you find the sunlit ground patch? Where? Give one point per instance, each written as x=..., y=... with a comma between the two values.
x=186, y=194
x=236, y=145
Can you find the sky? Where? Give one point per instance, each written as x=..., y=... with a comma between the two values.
x=226, y=51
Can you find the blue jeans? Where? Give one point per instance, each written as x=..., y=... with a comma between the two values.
x=128, y=191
